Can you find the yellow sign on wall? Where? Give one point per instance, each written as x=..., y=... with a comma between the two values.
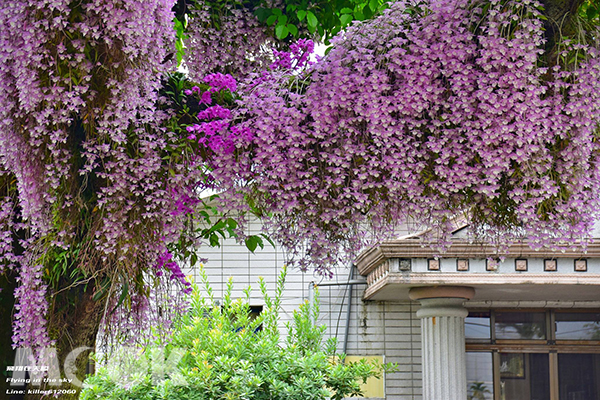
x=374, y=387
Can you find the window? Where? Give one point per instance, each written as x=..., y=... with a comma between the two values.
x=533, y=355
x=577, y=326
x=519, y=325
x=477, y=325
x=480, y=376
x=578, y=376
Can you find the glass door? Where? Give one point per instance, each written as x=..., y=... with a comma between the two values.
x=524, y=376
x=579, y=376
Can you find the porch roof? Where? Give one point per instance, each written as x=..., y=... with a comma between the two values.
x=393, y=267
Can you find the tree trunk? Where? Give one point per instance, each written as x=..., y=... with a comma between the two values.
x=562, y=21
x=8, y=285
x=73, y=322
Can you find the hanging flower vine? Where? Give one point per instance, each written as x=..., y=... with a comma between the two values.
x=431, y=110
x=84, y=145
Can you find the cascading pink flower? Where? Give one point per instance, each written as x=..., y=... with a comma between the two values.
x=429, y=111
x=239, y=45
x=79, y=114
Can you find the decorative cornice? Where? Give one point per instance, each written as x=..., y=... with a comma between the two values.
x=368, y=260
x=417, y=279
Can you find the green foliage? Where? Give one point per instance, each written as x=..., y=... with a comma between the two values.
x=180, y=26
x=590, y=11
x=296, y=19
x=225, y=353
x=479, y=391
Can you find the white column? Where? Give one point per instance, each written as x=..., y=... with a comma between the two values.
x=443, y=340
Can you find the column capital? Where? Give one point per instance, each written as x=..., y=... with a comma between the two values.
x=442, y=307
x=431, y=292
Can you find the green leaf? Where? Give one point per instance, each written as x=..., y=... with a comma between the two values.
x=254, y=241
x=591, y=12
x=205, y=216
x=220, y=225
x=358, y=15
x=281, y=31
x=374, y=5
x=346, y=19
x=193, y=259
x=74, y=273
x=102, y=290
x=262, y=14
x=251, y=243
x=268, y=239
x=232, y=223
x=311, y=19
x=301, y=15
x=282, y=20
x=321, y=30
x=346, y=10
x=291, y=8
x=178, y=27
x=271, y=20
x=214, y=240
x=293, y=30
x=124, y=293
x=277, y=11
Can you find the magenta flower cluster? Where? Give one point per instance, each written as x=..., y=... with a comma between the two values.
x=29, y=329
x=8, y=258
x=184, y=204
x=213, y=129
x=165, y=261
x=205, y=97
x=423, y=114
x=219, y=81
x=148, y=320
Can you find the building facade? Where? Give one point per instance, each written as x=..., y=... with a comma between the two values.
x=463, y=326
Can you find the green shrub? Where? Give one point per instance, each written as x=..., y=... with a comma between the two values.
x=218, y=351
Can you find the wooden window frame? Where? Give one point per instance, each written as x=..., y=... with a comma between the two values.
x=549, y=346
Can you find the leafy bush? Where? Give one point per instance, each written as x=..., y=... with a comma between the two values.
x=225, y=353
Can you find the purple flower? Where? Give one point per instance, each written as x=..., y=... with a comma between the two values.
x=206, y=98
x=219, y=81
x=415, y=118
